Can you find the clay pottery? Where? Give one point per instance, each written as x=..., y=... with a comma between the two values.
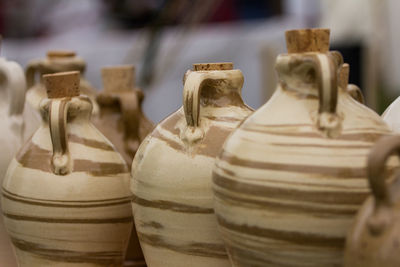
x=121, y=118
x=122, y=121
x=65, y=198
x=374, y=239
x=290, y=179
x=172, y=203
x=12, y=97
x=56, y=61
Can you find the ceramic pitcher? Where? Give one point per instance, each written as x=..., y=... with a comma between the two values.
x=290, y=179
x=56, y=61
x=66, y=198
x=12, y=97
x=122, y=121
x=374, y=239
x=172, y=203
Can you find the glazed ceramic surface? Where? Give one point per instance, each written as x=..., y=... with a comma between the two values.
x=122, y=121
x=66, y=198
x=56, y=61
x=391, y=117
x=290, y=179
x=173, y=207
x=12, y=97
x=374, y=239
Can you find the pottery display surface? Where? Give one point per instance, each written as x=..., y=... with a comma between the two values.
x=122, y=121
x=12, y=97
x=291, y=178
x=173, y=201
x=374, y=239
x=66, y=198
x=56, y=61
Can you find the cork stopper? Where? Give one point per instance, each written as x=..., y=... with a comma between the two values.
x=62, y=84
x=60, y=53
x=118, y=78
x=344, y=75
x=307, y=40
x=213, y=66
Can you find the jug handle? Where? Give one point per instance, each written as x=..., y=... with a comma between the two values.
x=58, y=111
x=378, y=157
x=15, y=85
x=193, y=84
x=355, y=92
x=30, y=73
x=130, y=109
x=326, y=71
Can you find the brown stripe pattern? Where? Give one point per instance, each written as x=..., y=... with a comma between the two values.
x=83, y=217
x=172, y=203
x=285, y=194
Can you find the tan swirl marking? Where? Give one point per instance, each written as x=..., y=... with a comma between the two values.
x=69, y=220
x=277, y=181
x=99, y=168
x=362, y=137
x=151, y=224
x=326, y=197
x=305, y=239
x=295, y=208
x=169, y=205
x=223, y=119
x=319, y=145
x=209, y=146
x=34, y=157
x=67, y=201
x=89, y=142
x=194, y=248
x=50, y=204
x=106, y=258
x=337, y=172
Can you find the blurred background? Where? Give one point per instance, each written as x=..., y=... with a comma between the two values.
x=162, y=38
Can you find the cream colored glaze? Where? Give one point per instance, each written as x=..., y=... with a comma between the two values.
x=171, y=172
x=12, y=97
x=292, y=176
x=56, y=61
x=65, y=198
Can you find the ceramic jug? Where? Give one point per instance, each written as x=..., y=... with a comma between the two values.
x=374, y=239
x=290, y=179
x=66, y=198
x=56, y=61
x=12, y=97
x=122, y=121
x=172, y=202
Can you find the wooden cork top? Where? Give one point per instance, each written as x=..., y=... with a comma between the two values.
x=307, y=40
x=62, y=84
x=213, y=66
x=344, y=75
x=118, y=78
x=60, y=53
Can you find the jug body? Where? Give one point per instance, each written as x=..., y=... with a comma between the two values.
x=65, y=198
x=291, y=177
x=171, y=171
